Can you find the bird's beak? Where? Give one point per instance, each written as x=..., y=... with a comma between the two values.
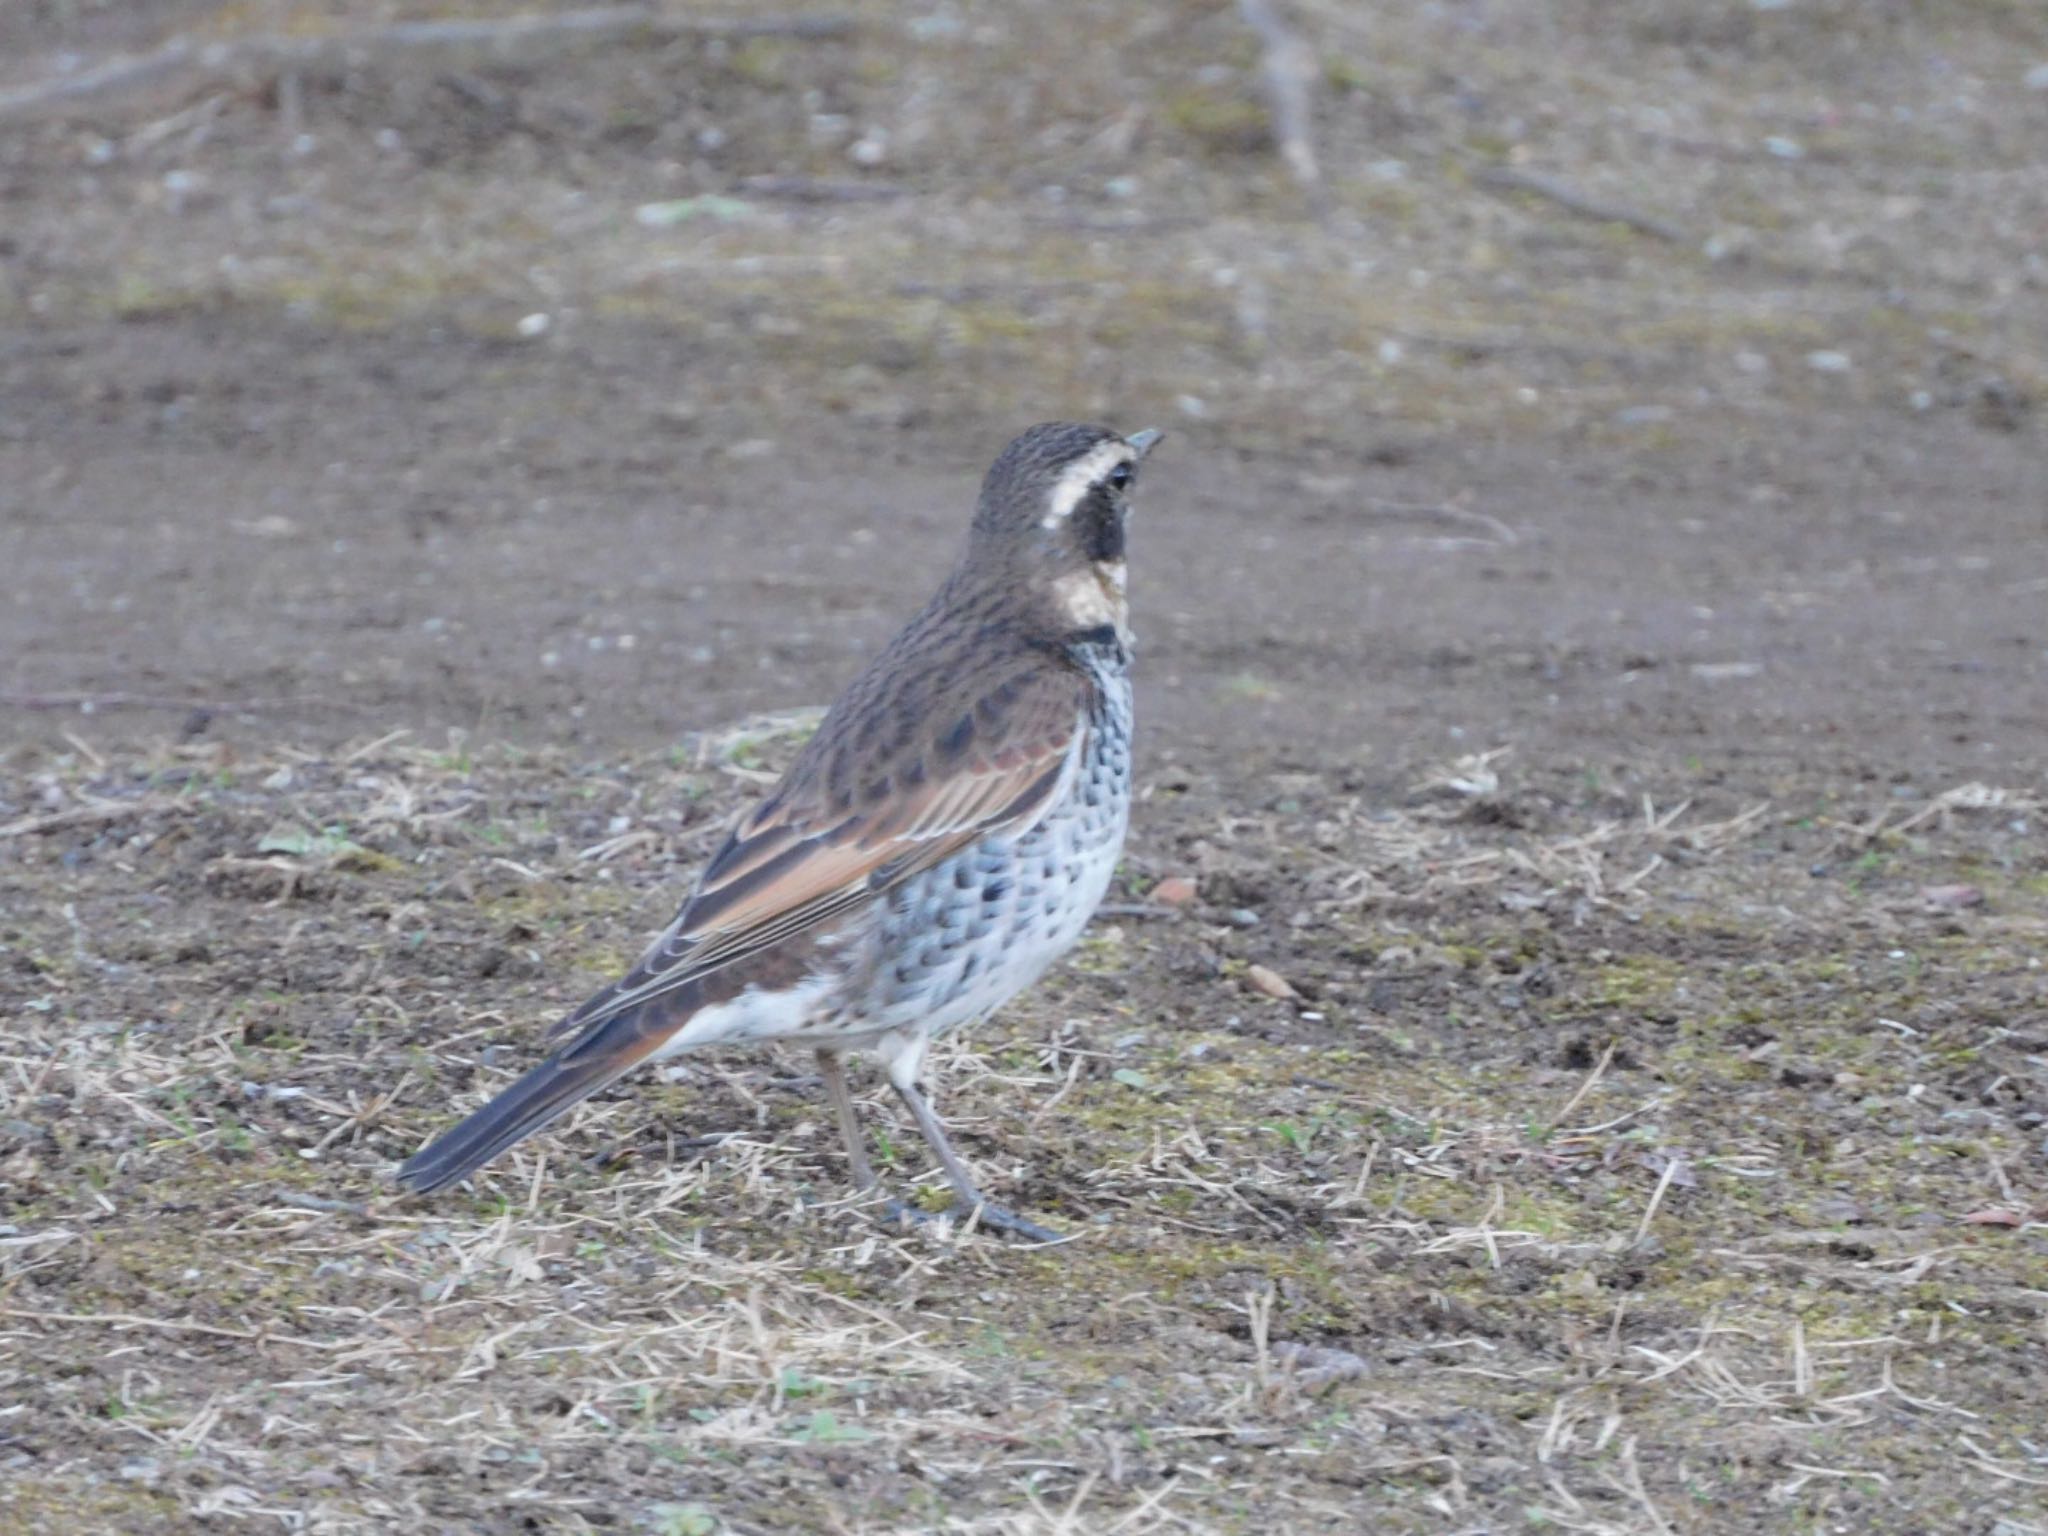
x=1143, y=441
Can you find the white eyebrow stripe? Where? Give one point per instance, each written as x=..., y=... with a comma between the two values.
x=1080, y=477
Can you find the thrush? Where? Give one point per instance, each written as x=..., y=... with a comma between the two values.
x=942, y=839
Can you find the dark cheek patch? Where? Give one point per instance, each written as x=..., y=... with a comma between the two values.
x=1105, y=530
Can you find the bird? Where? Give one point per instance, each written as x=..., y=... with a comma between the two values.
x=942, y=838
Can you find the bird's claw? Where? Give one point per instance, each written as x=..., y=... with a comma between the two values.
x=987, y=1216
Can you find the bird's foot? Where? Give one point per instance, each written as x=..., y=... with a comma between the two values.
x=989, y=1217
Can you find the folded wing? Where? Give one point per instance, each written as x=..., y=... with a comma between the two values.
x=849, y=823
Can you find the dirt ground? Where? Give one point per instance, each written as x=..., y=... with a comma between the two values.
x=1593, y=674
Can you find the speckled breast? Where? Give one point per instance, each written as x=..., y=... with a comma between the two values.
x=963, y=939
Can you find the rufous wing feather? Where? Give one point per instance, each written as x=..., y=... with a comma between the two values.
x=831, y=839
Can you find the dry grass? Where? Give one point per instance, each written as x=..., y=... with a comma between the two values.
x=1333, y=1254
x=1089, y=207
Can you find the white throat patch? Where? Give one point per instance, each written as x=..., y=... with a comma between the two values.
x=1090, y=598
x=1079, y=477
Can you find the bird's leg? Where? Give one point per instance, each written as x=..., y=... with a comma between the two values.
x=969, y=1198
x=832, y=1066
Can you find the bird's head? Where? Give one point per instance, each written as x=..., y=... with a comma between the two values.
x=1052, y=517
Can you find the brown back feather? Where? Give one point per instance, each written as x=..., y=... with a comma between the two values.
x=960, y=729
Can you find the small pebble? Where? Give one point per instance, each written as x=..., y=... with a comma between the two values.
x=1952, y=898
x=1269, y=981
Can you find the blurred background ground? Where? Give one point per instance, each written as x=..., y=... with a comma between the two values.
x=1652, y=390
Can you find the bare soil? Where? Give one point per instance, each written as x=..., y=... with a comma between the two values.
x=1594, y=682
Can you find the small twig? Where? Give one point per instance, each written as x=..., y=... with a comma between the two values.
x=1073, y=1076
x=89, y=703
x=811, y=189
x=1627, y=1478
x=1497, y=532
x=1671, y=1167
x=267, y=57
x=1599, y=1071
x=162, y=1324
x=1806, y=1472
x=1986, y=1462
x=1292, y=71
x=1569, y=198
x=1258, y=1306
x=321, y=1203
x=82, y=816
x=99, y=764
x=82, y=952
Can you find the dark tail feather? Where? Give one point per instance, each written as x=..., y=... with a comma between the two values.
x=604, y=1053
x=545, y=1094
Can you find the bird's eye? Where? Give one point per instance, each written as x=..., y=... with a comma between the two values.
x=1120, y=478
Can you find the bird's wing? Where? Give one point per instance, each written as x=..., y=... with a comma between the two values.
x=847, y=824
